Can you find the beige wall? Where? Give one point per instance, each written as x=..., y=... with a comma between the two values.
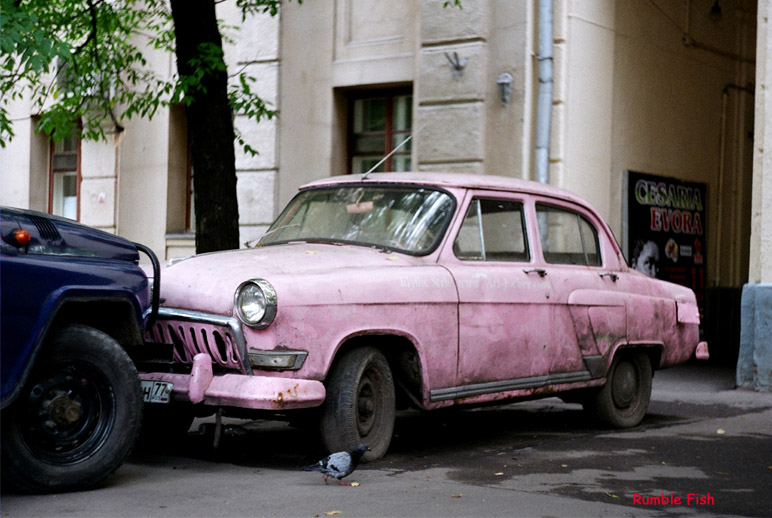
x=143, y=182
x=581, y=144
x=24, y=163
x=761, y=203
x=508, y=128
x=630, y=95
x=305, y=95
x=255, y=51
x=668, y=115
x=327, y=48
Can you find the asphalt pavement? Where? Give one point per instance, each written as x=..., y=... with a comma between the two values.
x=704, y=449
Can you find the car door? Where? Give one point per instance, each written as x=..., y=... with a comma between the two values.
x=583, y=273
x=507, y=322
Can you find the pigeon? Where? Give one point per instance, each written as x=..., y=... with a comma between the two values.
x=340, y=464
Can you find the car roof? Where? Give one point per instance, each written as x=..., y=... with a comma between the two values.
x=458, y=180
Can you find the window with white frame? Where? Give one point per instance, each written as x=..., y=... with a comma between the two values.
x=65, y=178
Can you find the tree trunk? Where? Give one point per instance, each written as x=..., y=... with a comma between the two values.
x=210, y=130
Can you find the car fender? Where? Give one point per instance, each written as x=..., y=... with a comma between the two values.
x=54, y=307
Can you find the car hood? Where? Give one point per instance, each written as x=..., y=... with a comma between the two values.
x=53, y=235
x=301, y=273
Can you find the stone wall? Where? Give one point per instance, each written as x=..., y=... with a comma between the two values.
x=754, y=366
x=452, y=98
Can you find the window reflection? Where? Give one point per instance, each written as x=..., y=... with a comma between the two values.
x=405, y=219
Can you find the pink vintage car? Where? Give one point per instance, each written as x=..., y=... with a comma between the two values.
x=423, y=290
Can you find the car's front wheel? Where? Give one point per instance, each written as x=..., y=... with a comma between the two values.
x=77, y=418
x=624, y=399
x=360, y=404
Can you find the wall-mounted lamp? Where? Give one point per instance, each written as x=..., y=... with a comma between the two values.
x=504, y=83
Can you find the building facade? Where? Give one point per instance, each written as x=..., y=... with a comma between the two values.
x=673, y=92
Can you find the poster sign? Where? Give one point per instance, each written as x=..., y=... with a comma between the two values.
x=666, y=233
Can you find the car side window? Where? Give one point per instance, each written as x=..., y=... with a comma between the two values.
x=567, y=237
x=493, y=230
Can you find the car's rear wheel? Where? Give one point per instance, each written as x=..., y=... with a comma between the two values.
x=77, y=418
x=624, y=399
x=360, y=403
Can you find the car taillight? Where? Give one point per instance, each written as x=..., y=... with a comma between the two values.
x=21, y=237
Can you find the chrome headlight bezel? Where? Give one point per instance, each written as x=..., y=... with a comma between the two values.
x=260, y=292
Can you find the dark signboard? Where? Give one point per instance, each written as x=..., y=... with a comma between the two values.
x=666, y=235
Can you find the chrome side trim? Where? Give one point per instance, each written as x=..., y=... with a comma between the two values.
x=206, y=318
x=503, y=386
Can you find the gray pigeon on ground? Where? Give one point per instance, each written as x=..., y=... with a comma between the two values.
x=340, y=464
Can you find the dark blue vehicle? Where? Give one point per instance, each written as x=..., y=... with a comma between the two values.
x=73, y=307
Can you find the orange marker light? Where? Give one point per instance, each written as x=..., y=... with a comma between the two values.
x=21, y=237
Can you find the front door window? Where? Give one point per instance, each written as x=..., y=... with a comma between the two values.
x=493, y=230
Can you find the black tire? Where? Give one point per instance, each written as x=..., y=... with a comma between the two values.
x=624, y=399
x=77, y=418
x=360, y=404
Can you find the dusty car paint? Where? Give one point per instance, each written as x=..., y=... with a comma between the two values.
x=477, y=331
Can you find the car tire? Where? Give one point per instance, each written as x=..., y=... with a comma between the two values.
x=360, y=404
x=624, y=399
x=77, y=418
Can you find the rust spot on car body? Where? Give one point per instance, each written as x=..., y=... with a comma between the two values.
x=289, y=394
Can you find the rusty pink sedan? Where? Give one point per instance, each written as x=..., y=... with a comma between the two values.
x=423, y=290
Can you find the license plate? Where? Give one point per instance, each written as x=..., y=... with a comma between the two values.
x=156, y=391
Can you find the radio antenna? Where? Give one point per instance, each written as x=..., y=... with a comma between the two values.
x=382, y=160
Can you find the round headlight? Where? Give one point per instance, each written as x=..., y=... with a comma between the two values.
x=255, y=303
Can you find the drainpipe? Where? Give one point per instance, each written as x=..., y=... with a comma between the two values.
x=544, y=103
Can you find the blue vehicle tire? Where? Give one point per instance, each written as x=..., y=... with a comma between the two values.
x=77, y=418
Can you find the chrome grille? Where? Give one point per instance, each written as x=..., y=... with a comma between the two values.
x=191, y=338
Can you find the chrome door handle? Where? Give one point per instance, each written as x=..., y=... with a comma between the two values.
x=610, y=275
x=541, y=271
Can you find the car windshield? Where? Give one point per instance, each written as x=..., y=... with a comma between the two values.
x=406, y=219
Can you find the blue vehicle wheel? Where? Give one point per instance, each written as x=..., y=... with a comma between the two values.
x=77, y=418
